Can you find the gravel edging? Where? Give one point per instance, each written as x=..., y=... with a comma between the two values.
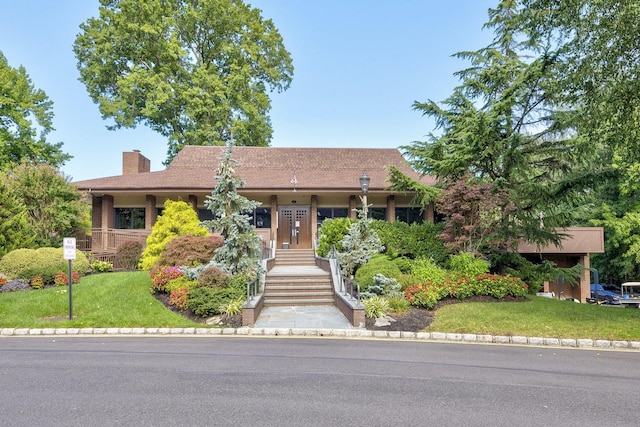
x=331, y=333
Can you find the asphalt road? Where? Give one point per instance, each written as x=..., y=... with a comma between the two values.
x=222, y=381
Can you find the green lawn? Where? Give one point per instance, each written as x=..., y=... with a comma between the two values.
x=123, y=300
x=99, y=301
x=540, y=317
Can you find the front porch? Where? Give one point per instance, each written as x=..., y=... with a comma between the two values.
x=104, y=243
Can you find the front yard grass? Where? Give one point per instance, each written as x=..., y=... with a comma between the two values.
x=123, y=300
x=99, y=301
x=540, y=317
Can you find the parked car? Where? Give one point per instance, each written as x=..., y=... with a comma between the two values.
x=603, y=296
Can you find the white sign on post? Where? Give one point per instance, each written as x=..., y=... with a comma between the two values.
x=69, y=245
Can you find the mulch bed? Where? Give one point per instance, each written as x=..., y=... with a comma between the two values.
x=414, y=320
x=224, y=321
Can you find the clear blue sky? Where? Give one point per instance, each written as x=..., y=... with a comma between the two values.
x=359, y=66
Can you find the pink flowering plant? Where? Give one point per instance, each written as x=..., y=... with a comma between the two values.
x=162, y=276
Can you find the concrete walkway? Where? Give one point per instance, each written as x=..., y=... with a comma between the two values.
x=303, y=317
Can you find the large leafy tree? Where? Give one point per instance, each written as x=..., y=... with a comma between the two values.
x=504, y=125
x=25, y=120
x=54, y=206
x=195, y=71
x=15, y=232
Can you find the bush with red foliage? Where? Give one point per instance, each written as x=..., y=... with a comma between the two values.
x=212, y=277
x=62, y=278
x=189, y=250
x=162, y=276
x=128, y=255
x=178, y=298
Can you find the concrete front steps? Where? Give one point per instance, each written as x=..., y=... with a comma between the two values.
x=296, y=280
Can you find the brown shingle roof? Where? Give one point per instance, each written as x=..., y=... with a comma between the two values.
x=265, y=168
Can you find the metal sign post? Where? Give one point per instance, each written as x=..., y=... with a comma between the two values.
x=69, y=245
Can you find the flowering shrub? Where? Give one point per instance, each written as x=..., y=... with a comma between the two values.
x=62, y=278
x=180, y=282
x=161, y=277
x=178, y=298
x=427, y=294
x=15, y=285
x=424, y=295
x=37, y=282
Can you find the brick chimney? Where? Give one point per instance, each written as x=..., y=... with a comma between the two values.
x=134, y=162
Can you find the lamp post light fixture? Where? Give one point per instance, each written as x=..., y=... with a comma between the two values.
x=364, y=186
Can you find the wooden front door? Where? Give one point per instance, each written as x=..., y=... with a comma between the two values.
x=294, y=227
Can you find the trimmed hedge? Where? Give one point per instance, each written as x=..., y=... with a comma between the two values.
x=411, y=240
x=44, y=262
x=427, y=294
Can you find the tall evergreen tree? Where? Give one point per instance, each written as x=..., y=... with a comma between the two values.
x=504, y=125
x=240, y=250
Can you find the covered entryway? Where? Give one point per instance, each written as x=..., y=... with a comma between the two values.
x=294, y=227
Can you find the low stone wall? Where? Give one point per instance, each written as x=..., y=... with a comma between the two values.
x=353, y=311
x=251, y=310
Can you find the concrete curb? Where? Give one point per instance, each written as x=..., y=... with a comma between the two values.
x=329, y=333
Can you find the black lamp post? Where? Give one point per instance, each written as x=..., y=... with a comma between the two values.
x=364, y=186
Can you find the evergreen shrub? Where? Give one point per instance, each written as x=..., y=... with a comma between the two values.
x=331, y=233
x=205, y=301
x=426, y=270
x=177, y=219
x=47, y=262
x=411, y=240
x=466, y=264
x=379, y=264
